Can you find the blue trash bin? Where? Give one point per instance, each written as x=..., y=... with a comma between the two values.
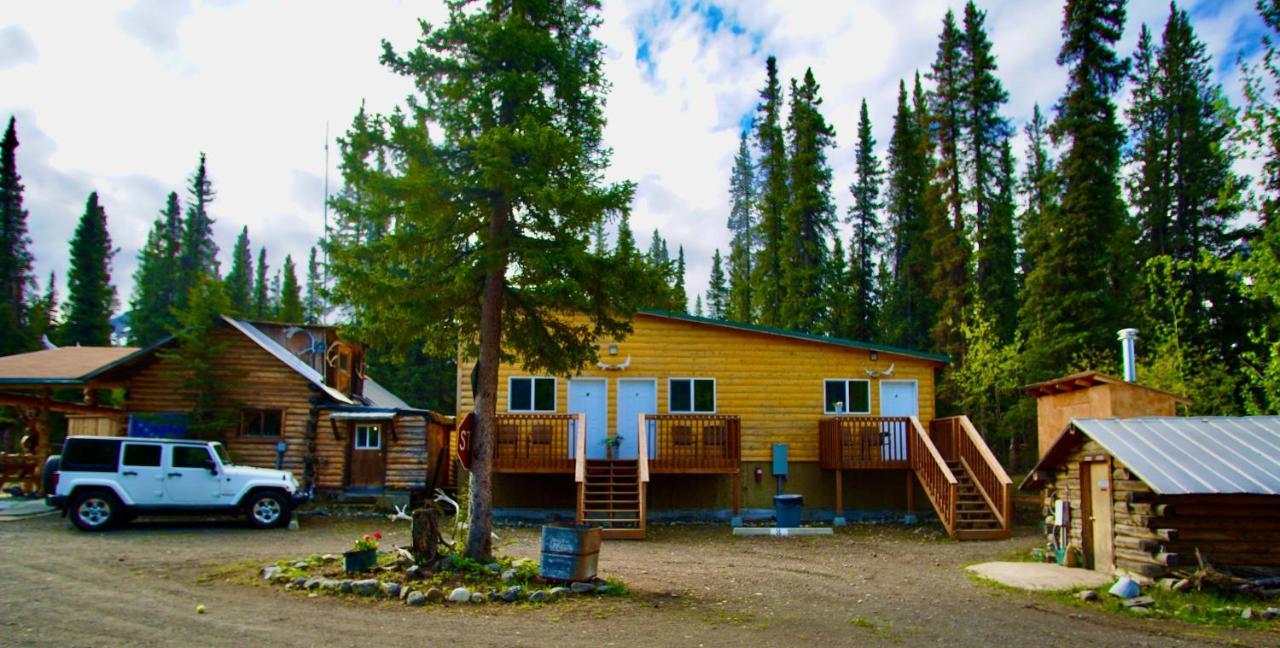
x=787, y=508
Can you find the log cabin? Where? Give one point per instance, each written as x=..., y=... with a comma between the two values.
x=1139, y=496
x=684, y=419
x=293, y=395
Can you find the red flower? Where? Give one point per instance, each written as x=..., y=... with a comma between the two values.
x=367, y=538
x=377, y=534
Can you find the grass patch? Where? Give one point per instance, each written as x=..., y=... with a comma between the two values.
x=882, y=630
x=1200, y=608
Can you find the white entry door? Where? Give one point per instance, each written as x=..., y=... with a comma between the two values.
x=590, y=396
x=897, y=398
x=636, y=396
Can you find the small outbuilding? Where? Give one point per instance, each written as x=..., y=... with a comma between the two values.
x=1142, y=495
x=1091, y=394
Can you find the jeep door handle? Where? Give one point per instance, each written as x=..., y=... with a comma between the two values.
x=175, y=474
x=129, y=473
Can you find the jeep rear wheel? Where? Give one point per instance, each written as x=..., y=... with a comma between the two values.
x=95, y=510
x=267, y=509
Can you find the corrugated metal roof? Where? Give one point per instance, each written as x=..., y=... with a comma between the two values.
x=378, y=396
x=63, y=365
x=284, y=356
x=1215, y=455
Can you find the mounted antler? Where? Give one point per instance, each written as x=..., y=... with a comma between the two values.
x=400, y=514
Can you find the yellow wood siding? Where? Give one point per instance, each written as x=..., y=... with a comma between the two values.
x=774, y=383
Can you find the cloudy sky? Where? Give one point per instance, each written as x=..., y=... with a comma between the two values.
x=121, y=96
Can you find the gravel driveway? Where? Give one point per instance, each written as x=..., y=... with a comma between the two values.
x=867, y=585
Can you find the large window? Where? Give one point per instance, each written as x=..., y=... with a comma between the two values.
x=693, y=395
x=847, y=397
x=532, y=395
x=261, y=424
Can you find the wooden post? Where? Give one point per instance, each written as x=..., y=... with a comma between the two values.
x=911, y=491
x=737, y=496
x=839, y=494
x=43, y=427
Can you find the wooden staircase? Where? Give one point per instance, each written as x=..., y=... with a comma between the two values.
x=974, y=518
x=613, y=498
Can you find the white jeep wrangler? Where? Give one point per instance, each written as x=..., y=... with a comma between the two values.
x=102, y=481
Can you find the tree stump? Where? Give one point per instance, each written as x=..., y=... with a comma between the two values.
x=426, y=535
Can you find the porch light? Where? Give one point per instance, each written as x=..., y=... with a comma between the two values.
x=875, y=355
x=613, y=349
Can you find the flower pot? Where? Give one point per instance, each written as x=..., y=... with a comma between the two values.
x=359, y=561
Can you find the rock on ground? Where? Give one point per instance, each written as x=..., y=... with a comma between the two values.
x=539, y=596
x=582, y=588
x=391, y=590
x=512, y=594
x=367, y=587
x=435, y=595
x=416, y=599
x=460, y=595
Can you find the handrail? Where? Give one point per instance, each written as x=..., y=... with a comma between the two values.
x=992, y=482
x=858, y=441
x=693, y=442
x=580, y=450
x=534, y=442
x=939, y=484
x=642, y=449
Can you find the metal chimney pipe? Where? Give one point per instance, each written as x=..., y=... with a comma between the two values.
x=1127, y=338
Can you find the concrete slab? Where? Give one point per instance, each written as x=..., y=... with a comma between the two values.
x=1040, y=576
x=782, y=532
x=17, y=508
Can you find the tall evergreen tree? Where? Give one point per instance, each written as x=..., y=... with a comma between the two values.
x=982, y=95
x=1076, y=294
x=291, y=308
x=261, y=287
x=867, y=242
x=996, y=275
x=199, y=251
x=276, y=297
x=908, y=309
x=314, y=307
x=1039, y=193
x=91, y=299
x=513, y=180
x=44, y=314
x=679, y=296
x=15, y=254
x=697, y=305
x=838, y=293
x=740, y=305
x=773, y=198
x=948, y=233
x=240, y=278
x=717, y=292
x=810, y=217
x=156, y=280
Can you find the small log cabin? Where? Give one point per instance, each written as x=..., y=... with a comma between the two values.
x=1091, y=394
x=681, y=420
x=1141, y=495
x=297, y=393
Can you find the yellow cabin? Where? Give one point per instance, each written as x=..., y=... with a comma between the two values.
x=681, y=420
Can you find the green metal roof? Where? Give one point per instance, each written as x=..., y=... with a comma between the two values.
x=798, y=335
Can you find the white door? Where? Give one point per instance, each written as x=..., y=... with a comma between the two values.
x=636, y=396
x=897, y=398
x=141, y=473
x=188, y=480
x=590, y=396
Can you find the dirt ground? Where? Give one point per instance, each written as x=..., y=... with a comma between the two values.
x=692, y=586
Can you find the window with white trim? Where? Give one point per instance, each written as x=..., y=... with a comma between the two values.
x=368, y=437
x=531, y=395
x=692, y=395
x=847, y=396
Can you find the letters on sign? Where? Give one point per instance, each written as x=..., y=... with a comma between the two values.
x=464, y=440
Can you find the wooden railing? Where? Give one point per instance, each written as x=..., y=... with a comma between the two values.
x=536, y=443
x=692, y=443
x=930, y=468
x=854, y=442
x=965, y=445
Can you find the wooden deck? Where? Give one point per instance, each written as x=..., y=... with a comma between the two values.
x=536, y=443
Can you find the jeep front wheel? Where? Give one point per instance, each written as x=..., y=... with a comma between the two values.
x=95, y=510
x=267, y=509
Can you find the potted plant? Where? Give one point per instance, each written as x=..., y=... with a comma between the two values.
x=611, y=444
x=363, y=555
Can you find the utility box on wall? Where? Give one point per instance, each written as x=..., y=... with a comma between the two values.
x=780, y=460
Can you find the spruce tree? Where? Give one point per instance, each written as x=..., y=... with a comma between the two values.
x=276, y=297
x=199, y=251
x=809, y=219
x=982, y=95
x=1039, y=194
x=15, y=254
x=291, y=308
x=91, y=299
x=717, y=293
x=314, y=306
x=240, y=278
x=44, y=315
x=680, y=298
x=996, y=275
x=948, y=233
x=697, y=305
x=838, y=293
x=866, y=244
x=908, y=310
x=740, y=305
x=1076, y=294
x=261, y=288
x=773, y=198
x=156, y=280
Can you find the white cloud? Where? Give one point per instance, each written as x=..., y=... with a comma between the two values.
x=125, y=95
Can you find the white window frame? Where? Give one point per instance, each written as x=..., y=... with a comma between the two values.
x=367, y=428
x=533, y=394
x=846, y=382
x=715, y=396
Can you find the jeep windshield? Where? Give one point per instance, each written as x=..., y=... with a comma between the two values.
x=221, y=452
